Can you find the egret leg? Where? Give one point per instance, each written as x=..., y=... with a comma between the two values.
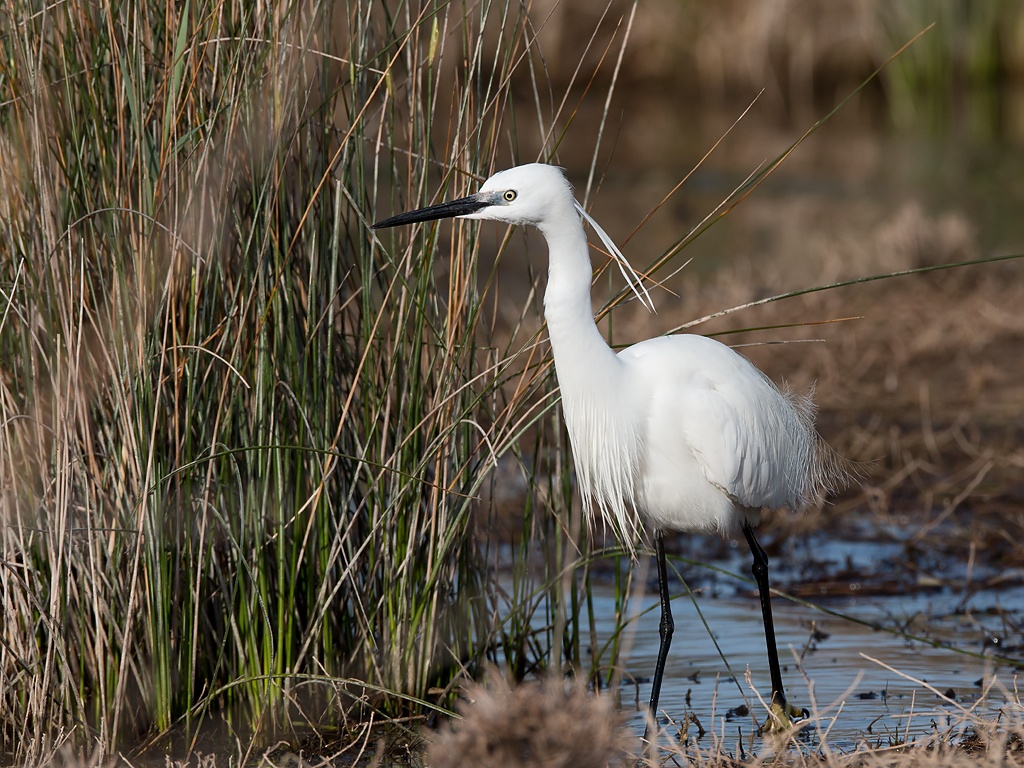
x=665, y=629
x=779, y=706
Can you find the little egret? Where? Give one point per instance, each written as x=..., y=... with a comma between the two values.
x=678, y=431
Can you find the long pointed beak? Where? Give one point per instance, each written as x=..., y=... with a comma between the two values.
x=460, y=207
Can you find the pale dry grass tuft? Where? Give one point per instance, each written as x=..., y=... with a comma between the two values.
x=547, y=724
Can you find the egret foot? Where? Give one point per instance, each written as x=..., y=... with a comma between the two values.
x=782, y=717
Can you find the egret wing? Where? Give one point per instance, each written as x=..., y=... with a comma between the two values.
x=743, y=436
x=750, y=440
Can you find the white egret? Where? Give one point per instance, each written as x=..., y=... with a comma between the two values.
x=679, y=432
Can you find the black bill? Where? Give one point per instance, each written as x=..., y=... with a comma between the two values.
x=460, y=207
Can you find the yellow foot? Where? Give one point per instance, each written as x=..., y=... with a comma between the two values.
x=782, y=717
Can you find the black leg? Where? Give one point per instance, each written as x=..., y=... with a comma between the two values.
x=760, y=571
x=665, y=629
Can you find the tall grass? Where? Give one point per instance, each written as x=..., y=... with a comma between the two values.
x=248, y=451
x=955, y=74
x=243, y=441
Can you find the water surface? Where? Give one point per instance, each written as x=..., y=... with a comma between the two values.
x=861, y=684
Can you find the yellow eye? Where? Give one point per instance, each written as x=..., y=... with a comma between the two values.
x=509, y=195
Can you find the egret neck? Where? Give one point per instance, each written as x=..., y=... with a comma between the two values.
x=602, y=428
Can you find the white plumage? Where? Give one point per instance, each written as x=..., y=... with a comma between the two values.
x=678, y=432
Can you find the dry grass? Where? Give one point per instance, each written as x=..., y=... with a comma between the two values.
x=923, y=382
x=558, y=723
x=195, y=319
x=554, y=723
x=181, y=542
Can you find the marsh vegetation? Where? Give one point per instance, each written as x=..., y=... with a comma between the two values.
x=272, y=486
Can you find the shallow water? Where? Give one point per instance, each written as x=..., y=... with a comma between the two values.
x=847, y=174
x=861, y=684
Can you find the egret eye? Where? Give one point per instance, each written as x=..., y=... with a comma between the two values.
x=509, y=195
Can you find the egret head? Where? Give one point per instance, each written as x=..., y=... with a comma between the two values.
x=536, y=194
x=526, y=194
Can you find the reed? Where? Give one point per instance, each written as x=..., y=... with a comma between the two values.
x=244, y=443
x=251, y=456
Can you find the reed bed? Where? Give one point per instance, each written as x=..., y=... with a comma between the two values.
x=252, y=457
x=244, y=442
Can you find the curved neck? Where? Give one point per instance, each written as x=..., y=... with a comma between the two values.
x=580, y=350
x=602, y=428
